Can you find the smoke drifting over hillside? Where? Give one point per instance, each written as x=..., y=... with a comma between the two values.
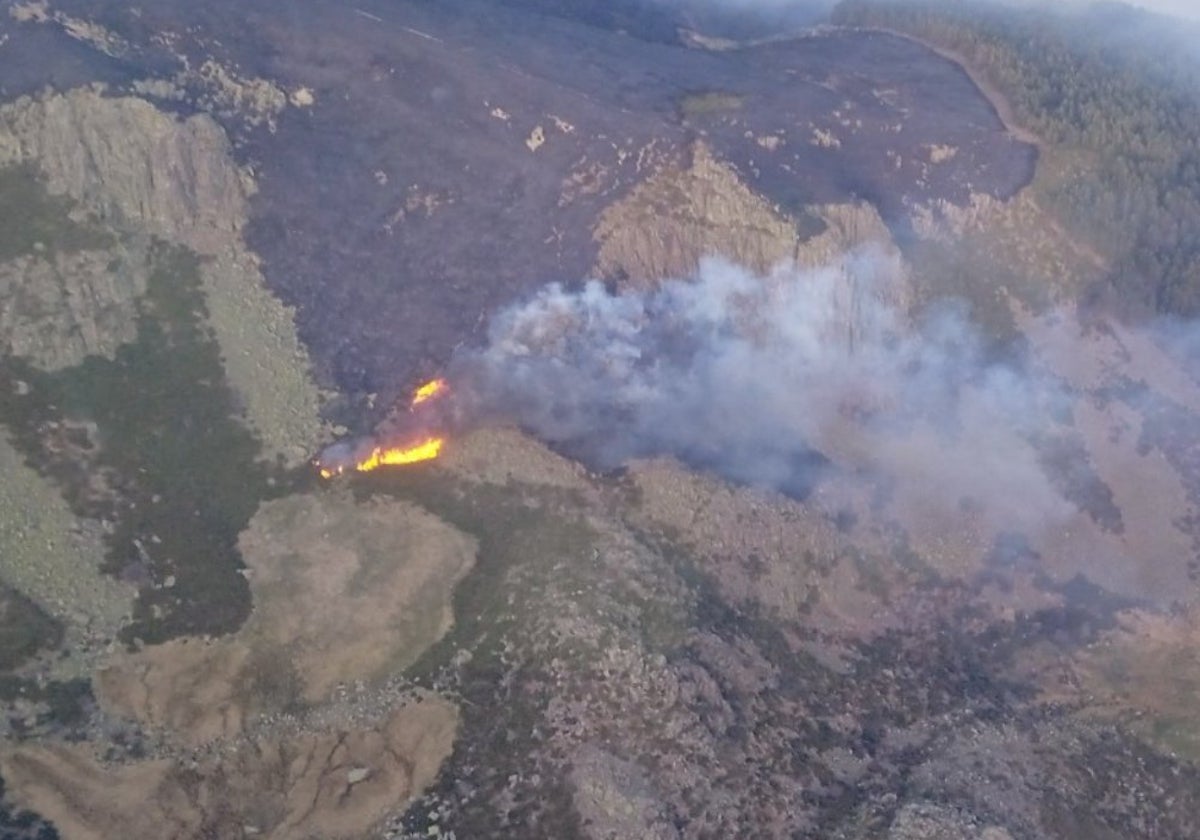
x=752, y=377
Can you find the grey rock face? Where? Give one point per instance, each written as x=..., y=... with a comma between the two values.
x=131, y=164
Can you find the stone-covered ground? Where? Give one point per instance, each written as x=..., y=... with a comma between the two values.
x=264, y=221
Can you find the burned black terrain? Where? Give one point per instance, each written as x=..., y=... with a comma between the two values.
x=971, y=614
x=451, y=156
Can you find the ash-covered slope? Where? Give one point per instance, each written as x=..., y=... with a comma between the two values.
x=440, y=158
x=977, y=620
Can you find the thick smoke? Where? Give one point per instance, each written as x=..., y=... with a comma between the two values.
x=770, y=380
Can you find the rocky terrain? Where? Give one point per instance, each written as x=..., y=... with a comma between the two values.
x=522, y=129
x=231, y=234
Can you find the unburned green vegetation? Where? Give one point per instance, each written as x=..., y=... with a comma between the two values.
x=170, y=468
x=24, y=628
x=1120, y=167
x=33, y=220
x=62, y=703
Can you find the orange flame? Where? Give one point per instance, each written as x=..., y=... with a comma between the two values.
x=427, y=450
x=428, y=391
x=382, y=456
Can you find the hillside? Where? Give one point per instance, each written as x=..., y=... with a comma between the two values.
x=796, y=477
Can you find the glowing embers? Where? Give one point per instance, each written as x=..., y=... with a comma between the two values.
x=367, y=454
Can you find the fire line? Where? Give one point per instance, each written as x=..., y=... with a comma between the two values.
x=427, y=392
x=426, y=449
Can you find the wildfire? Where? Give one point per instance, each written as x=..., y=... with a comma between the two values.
x=426, y=449
x=427, y=392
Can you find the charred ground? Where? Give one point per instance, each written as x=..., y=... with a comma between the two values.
x=655, y=653
x=413, y=197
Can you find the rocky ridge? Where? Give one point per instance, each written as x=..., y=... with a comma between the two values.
x=652, y=653
x=147, y=174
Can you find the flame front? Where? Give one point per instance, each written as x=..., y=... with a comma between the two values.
x=427, y=392
x=427, y=450
x=385, y=456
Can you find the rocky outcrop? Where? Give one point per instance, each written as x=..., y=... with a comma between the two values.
x=145, y=173
x=504, y=456
x=1000, y=252
x=680, y=215
x=765, y=551
x=847, y=227
x=131, y=164
x=926, y=821
x=616, y=798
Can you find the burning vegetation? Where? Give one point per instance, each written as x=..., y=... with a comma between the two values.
x=366, y=454
x=427, y=392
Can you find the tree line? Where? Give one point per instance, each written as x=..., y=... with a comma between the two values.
x=1115, y=94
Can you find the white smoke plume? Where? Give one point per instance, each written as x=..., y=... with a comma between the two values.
x=769, y=380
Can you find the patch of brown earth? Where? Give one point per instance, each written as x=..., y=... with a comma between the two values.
x=330, y=784
x=1148, y=558
x=195, y=690
x=1145, y=673
x=351, y=591
x=343, y=592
